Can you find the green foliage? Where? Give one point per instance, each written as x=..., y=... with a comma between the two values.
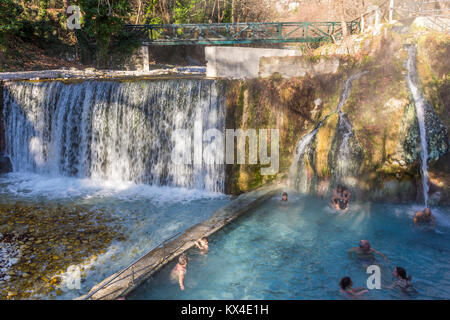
x=10, y=21
x=102, y=21
x=187, y=11
x=151, y=16
x=43, y=6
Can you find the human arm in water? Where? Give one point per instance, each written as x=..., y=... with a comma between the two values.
x=379, y=253
x=355, y=292
x=334, y=199
x=347, y=195
x=351, y=252
x=181, y=280
x=359, y=291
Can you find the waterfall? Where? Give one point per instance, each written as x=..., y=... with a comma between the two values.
x=297, y=178
x=419, y=103
x=343, y=163
x=346, y=89
x=111, y=130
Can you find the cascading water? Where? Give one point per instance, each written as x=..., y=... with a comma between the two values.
x=343, y=165
x=297, y=178
x=111, y=130
x=419, y=103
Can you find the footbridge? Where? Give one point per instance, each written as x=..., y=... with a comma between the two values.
x=240, y=33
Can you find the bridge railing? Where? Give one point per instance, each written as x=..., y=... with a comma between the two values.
x=239, y=33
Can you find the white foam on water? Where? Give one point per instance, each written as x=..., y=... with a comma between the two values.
x=442, y=219
x=30, y=185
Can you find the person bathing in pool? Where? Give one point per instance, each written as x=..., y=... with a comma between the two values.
x=341, y=198
x=402, y=281
x=179, y=271
x=365, y=252
x=346, y=284
x=284, y=197
x=424, y=217
x=203, y=245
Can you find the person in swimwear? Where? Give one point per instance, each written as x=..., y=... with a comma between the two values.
x=179, y=271
x=341, y=198
x=284, y=196
x=346, y=284
x=365, y=252
x=403, y=282
x=424, y=217
x=203, y=245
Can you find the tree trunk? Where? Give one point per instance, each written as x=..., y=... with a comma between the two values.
x=139, y=12
x=233, y=8
x=343, y=22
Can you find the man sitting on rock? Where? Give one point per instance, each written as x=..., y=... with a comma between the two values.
x=424, y=218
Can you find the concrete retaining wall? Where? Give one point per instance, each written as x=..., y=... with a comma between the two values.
x=247, y=63
x=289, y=67
x=239, y=62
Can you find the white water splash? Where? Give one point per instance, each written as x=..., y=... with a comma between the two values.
x=419, y=103
x=33, y=186
x=345, y=128
x=111, y=130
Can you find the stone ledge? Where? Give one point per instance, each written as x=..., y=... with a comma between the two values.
x=91, y=73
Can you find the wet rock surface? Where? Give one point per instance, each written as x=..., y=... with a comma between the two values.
x=38, y=243
x=5, y=164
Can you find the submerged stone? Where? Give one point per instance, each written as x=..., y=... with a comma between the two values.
x=41, y=262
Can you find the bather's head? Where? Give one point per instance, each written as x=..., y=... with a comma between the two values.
x=284, y=196
x=400, y=272
x=183, y=260
x=204, y=242
x=427, y=212
x=364, y=245
x=346, y=283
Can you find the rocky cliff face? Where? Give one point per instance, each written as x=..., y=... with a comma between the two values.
x=372, y=145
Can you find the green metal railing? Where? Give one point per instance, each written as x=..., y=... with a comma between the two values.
x=239, y=33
